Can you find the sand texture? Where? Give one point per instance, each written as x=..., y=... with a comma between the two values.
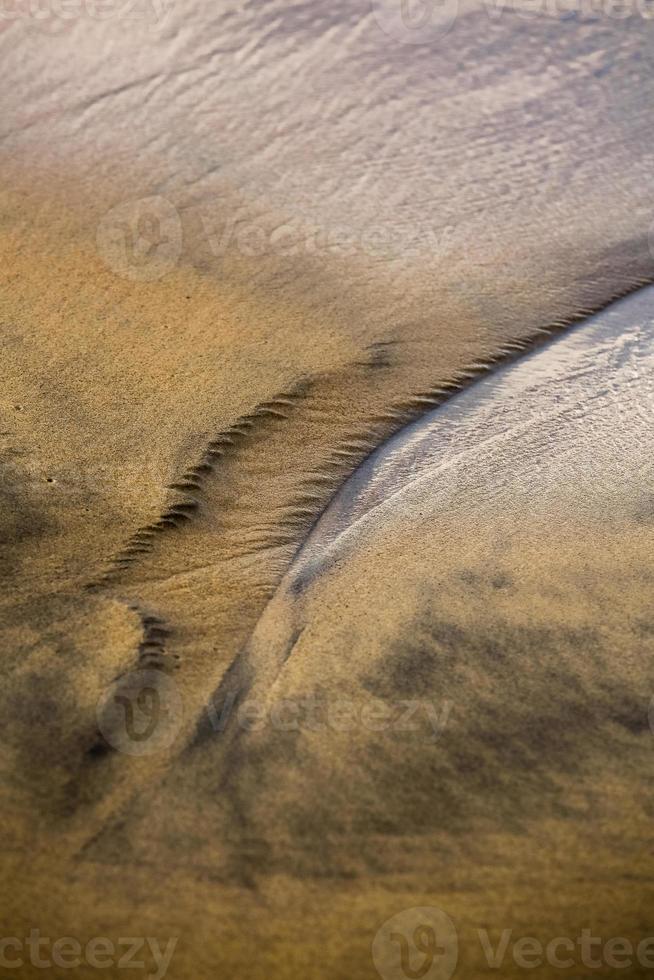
x=242, y=247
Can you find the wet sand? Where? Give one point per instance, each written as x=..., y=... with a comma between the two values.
x=181, y=401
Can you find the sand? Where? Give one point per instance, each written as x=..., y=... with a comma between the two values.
x=240, y=250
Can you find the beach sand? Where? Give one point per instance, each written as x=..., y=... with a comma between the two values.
x=240, y=250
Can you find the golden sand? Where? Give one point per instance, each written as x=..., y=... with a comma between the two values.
x=166, y=447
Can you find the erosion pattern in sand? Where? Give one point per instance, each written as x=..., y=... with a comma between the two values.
x=338, y=229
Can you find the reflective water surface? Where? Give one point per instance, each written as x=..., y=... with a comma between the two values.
x=568, y=424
